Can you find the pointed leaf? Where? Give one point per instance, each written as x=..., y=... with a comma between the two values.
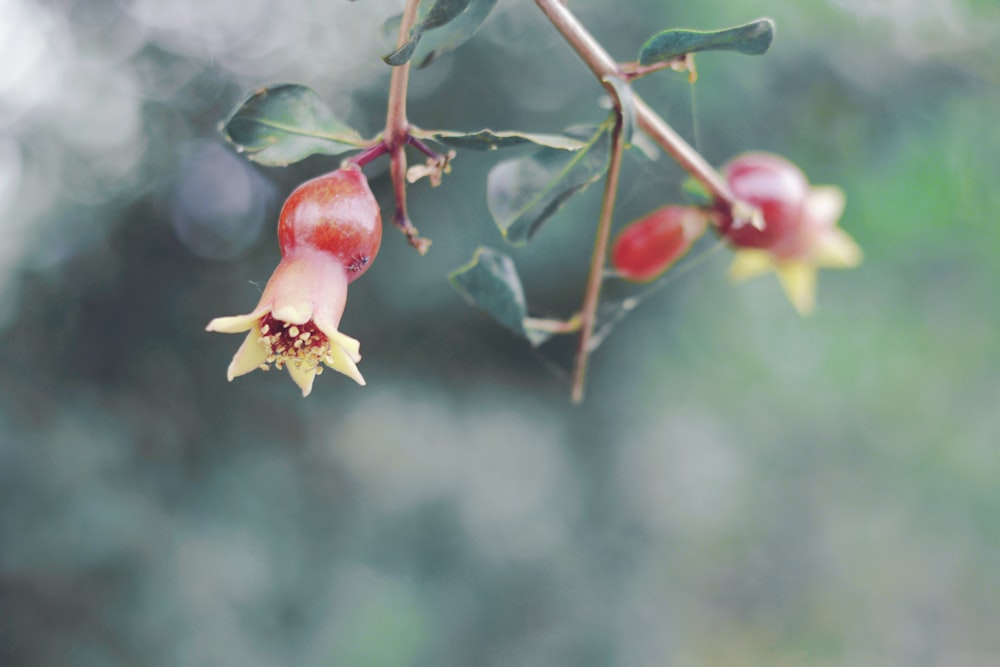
x=490, y=140
x=441, y=26
x=490, y=282
x=285, y=123
x=438, y=41
x=523, y=193
x=440, y=12
x=402, y=55
x=754, y=39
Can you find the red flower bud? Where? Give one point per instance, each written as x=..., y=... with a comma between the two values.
x=649, y=246
x=337, y=214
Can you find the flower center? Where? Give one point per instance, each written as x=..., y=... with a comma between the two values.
x=303, y=345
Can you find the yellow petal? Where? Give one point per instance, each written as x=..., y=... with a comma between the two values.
x=349, y=345
x=342, y=362
x=250, y=356
x=749, y=263
x=836, y=250
x=302, y=376
x=234, y=324
x=799, y=282
x=293, y=313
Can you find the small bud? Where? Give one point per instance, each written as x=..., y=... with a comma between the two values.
x=649, y=246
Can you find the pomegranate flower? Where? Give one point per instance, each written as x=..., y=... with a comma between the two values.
x=801, y=233
x=295, y=324
x=329, y=231
x=824, y=245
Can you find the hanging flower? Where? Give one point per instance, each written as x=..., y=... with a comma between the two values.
x=329, y=230
x=800, y=234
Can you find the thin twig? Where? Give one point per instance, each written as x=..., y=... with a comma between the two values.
x=397, y=132
x=591, y=296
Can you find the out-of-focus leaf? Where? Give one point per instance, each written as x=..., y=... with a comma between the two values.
x=285, y=123
x=439, y=41
x=697, y=193
x=441, y=26
x=490, y=282
x=623, y=92
x=754, y=39
x=522, y=193
x=489, y=140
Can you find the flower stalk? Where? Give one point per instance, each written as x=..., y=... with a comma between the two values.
x=397, y=133
x=592, y=293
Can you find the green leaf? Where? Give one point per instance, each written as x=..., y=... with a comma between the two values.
x=441, y=26
x=486, y=139
x=490, y=283
x=522, y=193
x=754, y=39
x=439, y=41
x=285, y=123
x=624, y=101
x=440, y=12
x=697, y=193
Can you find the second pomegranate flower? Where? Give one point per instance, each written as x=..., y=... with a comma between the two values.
x=801, y=233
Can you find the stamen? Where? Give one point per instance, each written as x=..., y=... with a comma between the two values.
x=301, y=344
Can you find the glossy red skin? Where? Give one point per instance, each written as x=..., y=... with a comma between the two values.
x=775, y=186
x=646, y=248
x=336, y=213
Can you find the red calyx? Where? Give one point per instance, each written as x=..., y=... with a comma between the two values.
x=337, y=214
x=775, y=186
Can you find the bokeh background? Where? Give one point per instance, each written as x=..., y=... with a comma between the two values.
x=741, y=487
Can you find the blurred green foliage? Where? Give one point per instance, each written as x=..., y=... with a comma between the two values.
x=742, y=486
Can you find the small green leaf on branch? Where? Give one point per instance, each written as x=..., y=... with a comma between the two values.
x=522, y=193
x=490, y=140
x=696, y=193
x=442, y=26
x=285, y=123
x=490, y=283
x=753, y=38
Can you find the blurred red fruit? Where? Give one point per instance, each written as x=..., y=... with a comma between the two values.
x=649, y=246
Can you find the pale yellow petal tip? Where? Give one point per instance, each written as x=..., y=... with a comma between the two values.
x=798, y=280
x=251, y=355
x=342, y=362
x=350, y=346
x=837, y=250
x=293, y=313
x=232, y=324
x=749, y=264
x=303, y=377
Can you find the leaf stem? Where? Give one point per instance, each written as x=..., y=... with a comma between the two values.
x=592, y=293
x=368, y=155
x=397, y=132
x=572, y=325
x=603, y=66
